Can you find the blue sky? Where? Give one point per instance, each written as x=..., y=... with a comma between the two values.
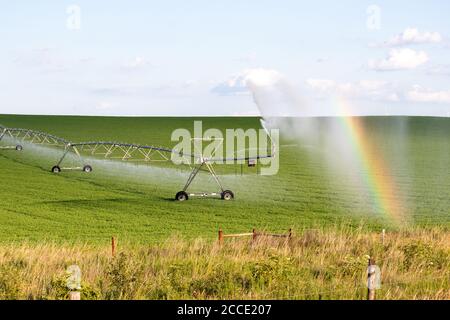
x=201, y=57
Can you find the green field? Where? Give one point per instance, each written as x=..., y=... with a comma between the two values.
x=136, y=202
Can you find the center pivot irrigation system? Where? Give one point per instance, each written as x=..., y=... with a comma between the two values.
x=129, y=153
x=28, y=136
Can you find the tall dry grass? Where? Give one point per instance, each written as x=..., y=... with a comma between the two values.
x=314, y=264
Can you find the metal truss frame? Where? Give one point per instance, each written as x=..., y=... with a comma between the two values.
x=114, y=151
x=21, y=136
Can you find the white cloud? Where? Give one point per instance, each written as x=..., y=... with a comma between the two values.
x=137, y=62
x=322, y=60
x=413, y=36
x=46, y=60
x=262, y=77
x=323, y=85
x=365, y=89
x=240, y=84
x=372, y=84
x=104, y=105
x=440, y=70
x=377, y=91
x=399, y=59
x=247, y=58
x=234, y=86
x=420, y=94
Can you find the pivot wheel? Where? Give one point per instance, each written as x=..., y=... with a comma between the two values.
x=181, y=196
x=19, y=147
x=227, y=195
x=87, y=168
x=56, y=169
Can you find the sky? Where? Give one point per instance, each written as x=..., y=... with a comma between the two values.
x=181, y=58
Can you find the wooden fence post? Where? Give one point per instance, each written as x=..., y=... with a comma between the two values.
x=383, y=234
x=254, y=235
x=220, y=236
x=289, y=237
x=74, y=295
x=371, y=279
x=113, y=246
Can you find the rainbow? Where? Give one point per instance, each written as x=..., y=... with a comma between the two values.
x=378, y=178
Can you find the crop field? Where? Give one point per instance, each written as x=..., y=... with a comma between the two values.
x=135, y=202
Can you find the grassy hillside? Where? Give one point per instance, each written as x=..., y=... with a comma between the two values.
x=135, y=202
x=315, y=264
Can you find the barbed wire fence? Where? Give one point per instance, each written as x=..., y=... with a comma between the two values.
x=359, y=291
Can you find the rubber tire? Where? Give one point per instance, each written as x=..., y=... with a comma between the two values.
x=56, y=169
x=87, y=169
x=181, y=196
x=19, y=147
x=227, y=195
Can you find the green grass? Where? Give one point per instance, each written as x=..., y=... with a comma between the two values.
x=315, y=264
x=135, y=202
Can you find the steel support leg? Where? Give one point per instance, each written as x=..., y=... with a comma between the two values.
x=214, y=174
x=197, y=170
x=193, y=175
x=78, y=154
x=66, y=151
